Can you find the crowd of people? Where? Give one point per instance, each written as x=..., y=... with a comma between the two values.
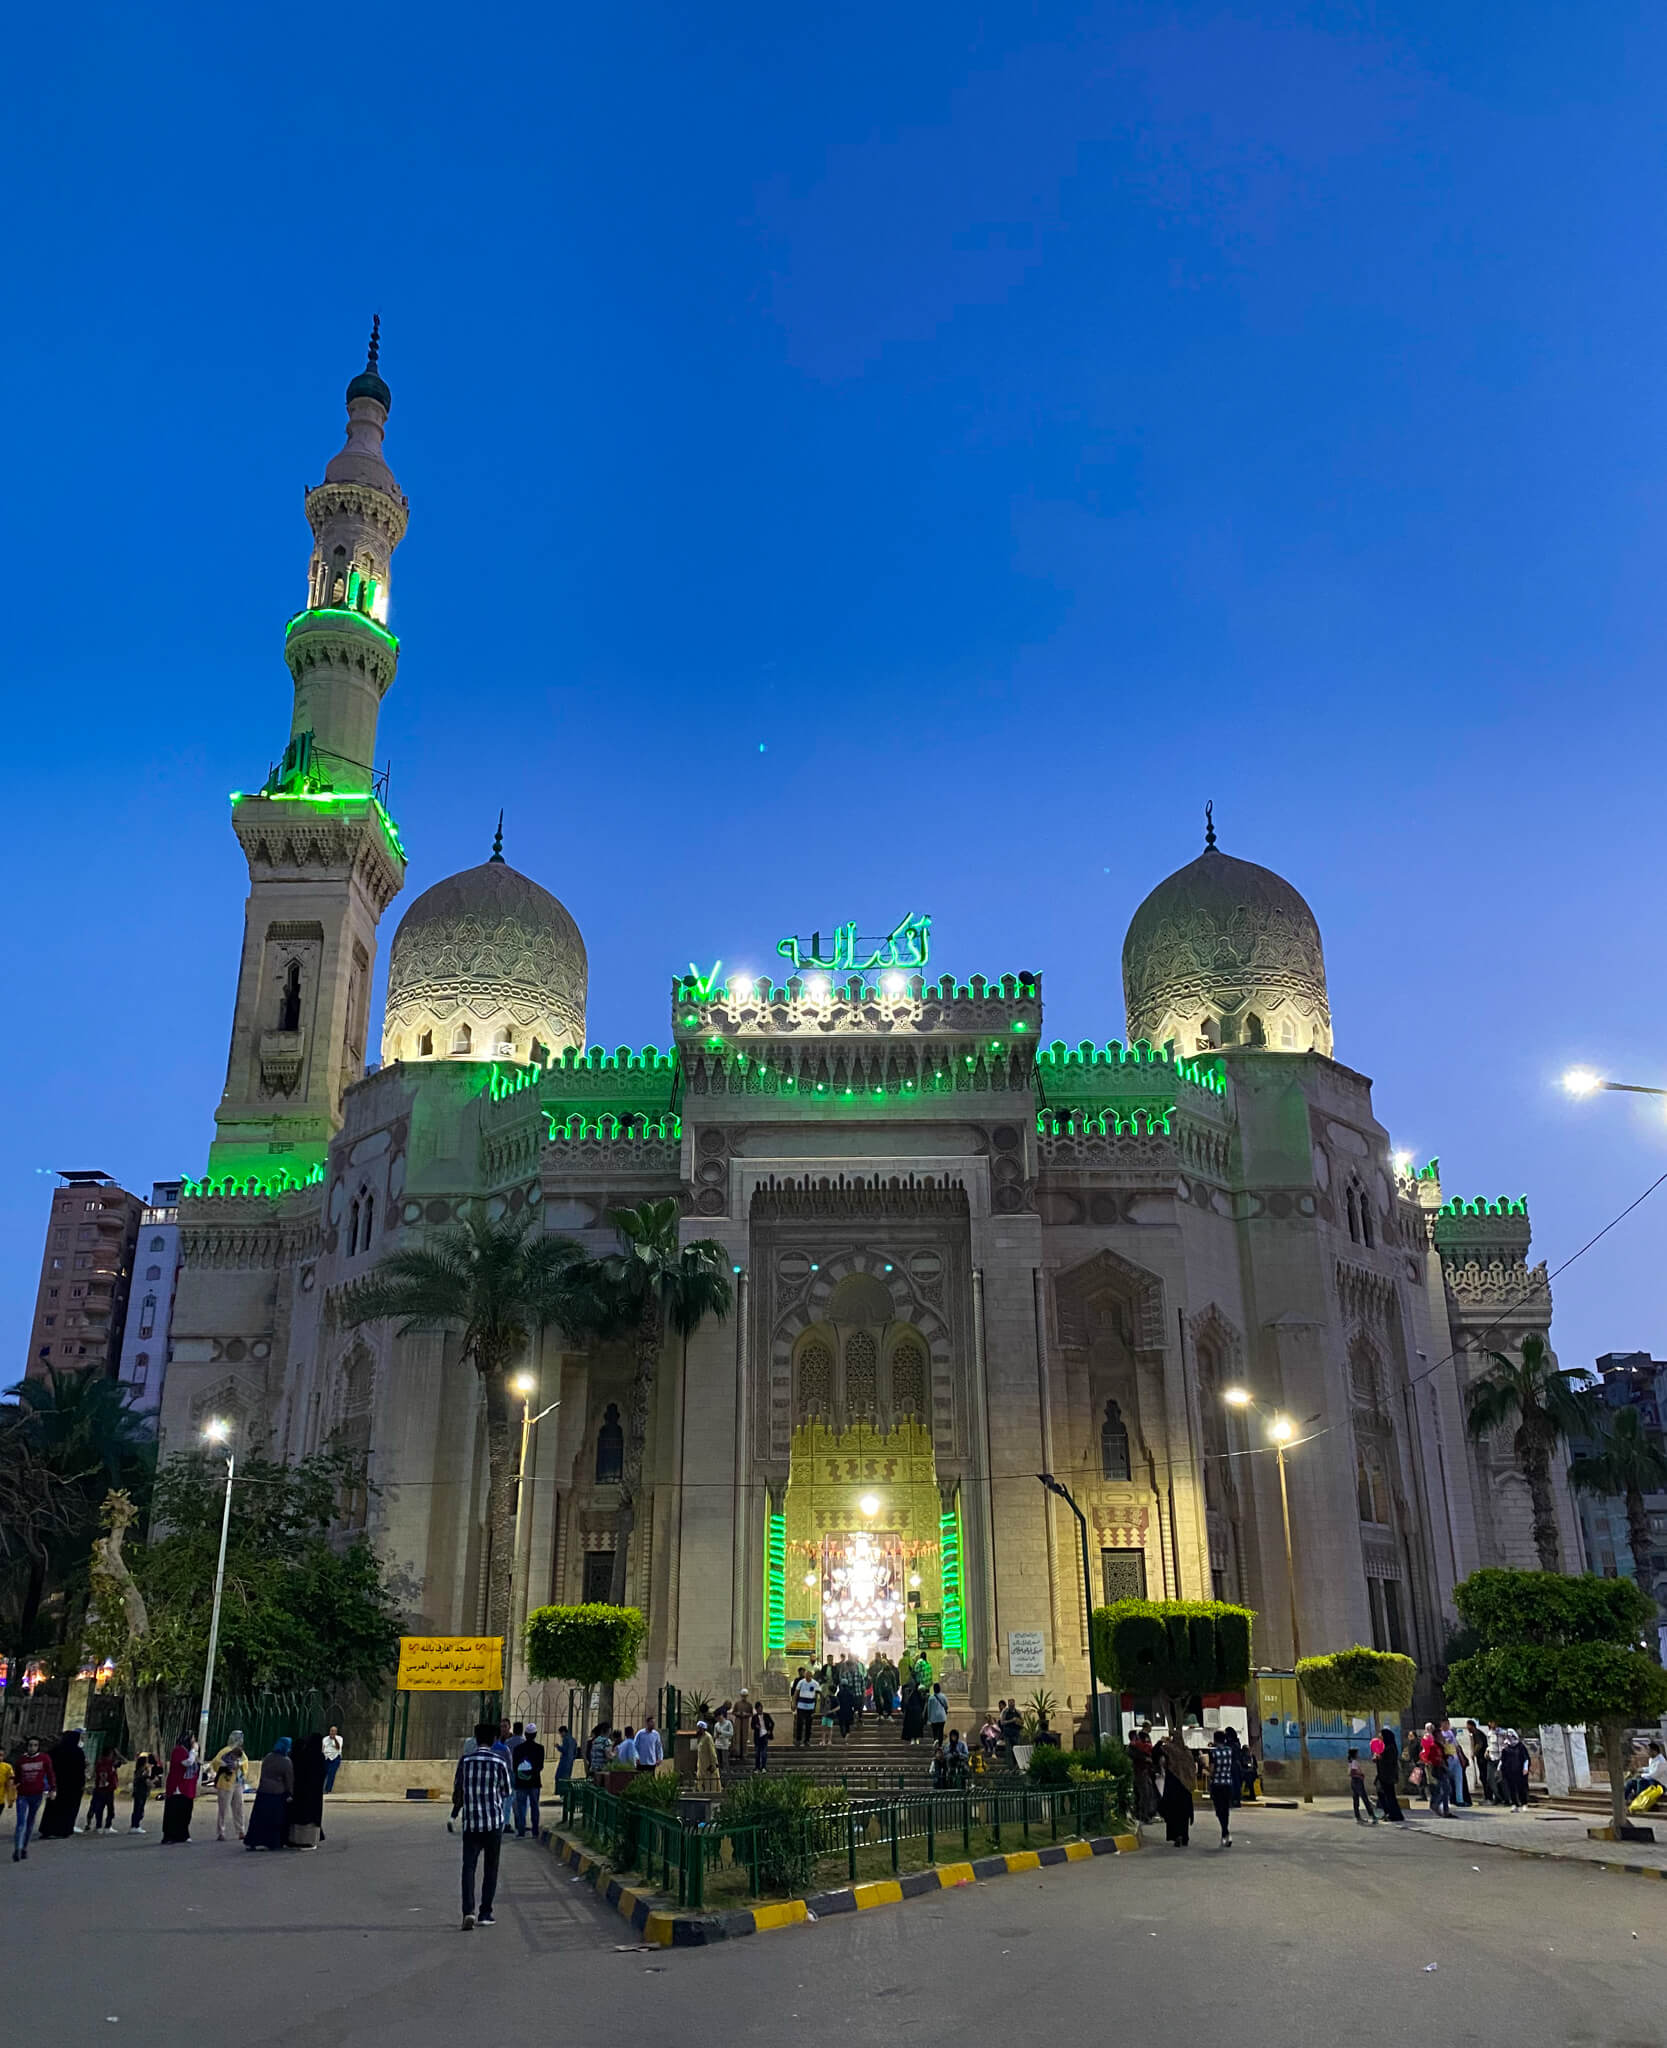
x=1168, y=1771
x=44, y=1789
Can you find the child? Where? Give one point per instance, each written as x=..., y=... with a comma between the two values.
x=1357, y=1789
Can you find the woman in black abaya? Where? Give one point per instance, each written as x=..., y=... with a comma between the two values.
x=1175, y=1799
x=69, y=1772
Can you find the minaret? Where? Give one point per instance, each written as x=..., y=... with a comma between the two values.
x=324, y=858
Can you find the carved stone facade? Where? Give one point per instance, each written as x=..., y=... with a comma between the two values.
x=961, y=1257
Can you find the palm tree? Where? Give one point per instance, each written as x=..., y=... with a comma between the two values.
x=1629, y=1462
x=650, y=1286
x=496, y=1287
x=1547, y=1405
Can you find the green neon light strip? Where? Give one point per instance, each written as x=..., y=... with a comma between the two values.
x=597, y=1059
x=775, y=1583
x=1143, y=1121
x=611, y=1129
x=1507, y=1205
x=1430, y=1172
x=1201, y=1074
x=507, y=1080
x=342, y=800
x=277, y=1181
x=687, y=988
x=343, y=611
x=954, y=1610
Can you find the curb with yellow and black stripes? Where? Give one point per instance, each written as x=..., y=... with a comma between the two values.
x=699, y=1930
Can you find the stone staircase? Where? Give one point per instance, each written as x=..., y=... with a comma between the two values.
x=873, y=1758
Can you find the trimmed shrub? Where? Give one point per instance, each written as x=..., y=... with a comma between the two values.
x=1358, y=1681
x=584, y=1646
x=1172, y=1648
x=1049, y=1765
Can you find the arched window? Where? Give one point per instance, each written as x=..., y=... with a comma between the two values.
x=425, y=1046
x=1209, y=1035
x=462, y=1040
x=1363, y=1488
x=1354, y=1218
x=814, y=1375
x=506, y=1045
x=610, y=1449
x=1114, y=1444
x=1366, y=1221
x=1287, y=1034
x=908, y=1382
x=153, y=1272
x=289, y=1004
x=1253, y=1032
x=353, y=1230
x=370, y=1220
x=338, y=576
x=157, y=1243
x=862, y=1376
x=540, y=1053
x=147, y=1315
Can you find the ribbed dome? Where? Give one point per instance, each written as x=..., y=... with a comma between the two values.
x=1225, y=952
x=483, y=965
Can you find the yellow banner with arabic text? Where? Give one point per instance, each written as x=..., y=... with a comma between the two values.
x=450, y=1663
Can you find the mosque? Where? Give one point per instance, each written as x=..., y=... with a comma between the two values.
x=963, y=1256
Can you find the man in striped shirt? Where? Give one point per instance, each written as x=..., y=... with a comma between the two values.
x=478, y=1792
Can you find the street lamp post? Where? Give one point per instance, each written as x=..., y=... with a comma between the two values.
x=1064, y=1492
x=217, y=1432
x=525, y=1385
x=1582, y=1081
x=1281, y=1429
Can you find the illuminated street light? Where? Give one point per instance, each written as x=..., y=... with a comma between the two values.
x=218, y=1431
x=526, y=1386
x=1581, y=1081
x=870, y=1503
x=1280, y=1431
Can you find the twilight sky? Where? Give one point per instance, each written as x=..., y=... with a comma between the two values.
x=868, y=459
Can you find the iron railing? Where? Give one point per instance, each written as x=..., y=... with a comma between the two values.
x=678, y=1856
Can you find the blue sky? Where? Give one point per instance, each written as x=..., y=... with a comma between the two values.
x=867, y=460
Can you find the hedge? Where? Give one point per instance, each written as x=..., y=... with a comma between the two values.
x=1172, y=1647
x=1358, y=1681
x=584, y=1646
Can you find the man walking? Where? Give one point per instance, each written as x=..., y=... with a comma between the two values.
x=35, y=1780
x=1224, y=1779
x=805, y=1691
x=650, y=1750
x=529, y=1779
x=480, y=1791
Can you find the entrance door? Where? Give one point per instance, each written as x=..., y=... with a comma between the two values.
x=863, y=1595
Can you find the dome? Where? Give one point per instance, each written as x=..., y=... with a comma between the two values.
x=1226, y=953
x=485, y=965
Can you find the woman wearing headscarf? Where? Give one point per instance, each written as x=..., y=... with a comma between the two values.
x=69, y=1774
x=1144, y=1759
x=1388, y=1768
x=1175, y=1796
x=1513, y=1770
x=306, y=1806
x=180, y=1791
x=914, y=1712
x=270, y=1818
x=227, y=1773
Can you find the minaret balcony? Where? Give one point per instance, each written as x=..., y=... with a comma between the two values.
x=338, y=636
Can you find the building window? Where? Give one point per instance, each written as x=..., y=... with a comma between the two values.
x=1287, y=1034
x=599, y=1574
x=610, y=1449
x=462, y=1040
x=353, y=1230
x=370, y=1219
x=147, y=1315
x=153, y=1272
x=141, y=1368
x=289, y=1003
x=158, y=1244
x=1366, y=1221
x=1123, y=1574
x=425, y=1046
x=1114, y=1444
x=862, y=1377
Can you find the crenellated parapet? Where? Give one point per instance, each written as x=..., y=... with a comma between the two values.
x=811, y=1006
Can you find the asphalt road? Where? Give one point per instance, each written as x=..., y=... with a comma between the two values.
x=1309, y=1930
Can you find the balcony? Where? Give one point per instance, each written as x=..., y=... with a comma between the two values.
x=281, y=1054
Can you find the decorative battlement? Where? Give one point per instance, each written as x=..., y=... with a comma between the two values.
x=337, y=615
x=1145, y=1120
x=266, y=1186
x=1504, y=1205
x=823, y=1006
x=1084, y=1071
x=629, y=1129
x=1482, y=1231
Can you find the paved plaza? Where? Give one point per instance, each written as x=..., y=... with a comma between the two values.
x=1308, y=1928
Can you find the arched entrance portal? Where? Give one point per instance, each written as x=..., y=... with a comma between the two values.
x=868, y=1549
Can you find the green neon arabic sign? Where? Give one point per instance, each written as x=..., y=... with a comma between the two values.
x=906, y=945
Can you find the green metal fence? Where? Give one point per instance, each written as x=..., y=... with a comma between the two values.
x=677, y=1856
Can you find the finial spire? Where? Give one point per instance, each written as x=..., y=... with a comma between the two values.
x=1209, y=827
x=375, y=348
x=498, y=842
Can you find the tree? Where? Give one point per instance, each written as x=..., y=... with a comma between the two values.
x=1170, y=1649
x=1630, y=1463
x=1545, y=1403
x=1358, y=1681
x=70, y=1439
x=113, y=1587
x=1559, y=1648
x=584, y=1646
x=496, y=1287
x=300, y=1609
x=649, y=1287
